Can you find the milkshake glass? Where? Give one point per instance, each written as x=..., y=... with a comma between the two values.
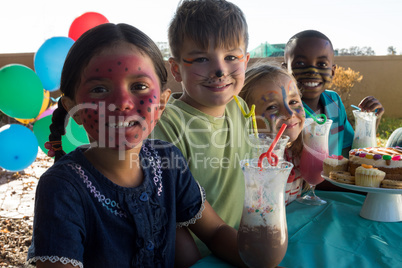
x=315, y=150
x=261, y=145
x=262, y=236
x=365, y=130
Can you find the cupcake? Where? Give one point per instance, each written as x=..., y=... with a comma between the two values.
x=335, y=163
x=368, y=176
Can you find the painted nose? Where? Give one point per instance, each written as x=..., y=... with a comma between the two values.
x=123, y=100
x=219, y=73
x=286, y=112
x=219, y=68
x=311, y=70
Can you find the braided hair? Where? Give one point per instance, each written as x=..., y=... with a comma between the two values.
x=83, y=50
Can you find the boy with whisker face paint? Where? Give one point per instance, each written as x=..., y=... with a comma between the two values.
x=208, y=41
x=309, y=55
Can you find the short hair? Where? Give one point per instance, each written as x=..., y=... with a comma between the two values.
x=259, y=71
x=306, y=34
x=204, y=20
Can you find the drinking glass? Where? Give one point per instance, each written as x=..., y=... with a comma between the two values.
x=365, y=129
x=262, y=236
x=315, y=150
x=261, y=145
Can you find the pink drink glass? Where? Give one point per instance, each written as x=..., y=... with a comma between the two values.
x=315, y=150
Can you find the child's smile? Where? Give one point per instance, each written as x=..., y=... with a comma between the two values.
x=278, y=102
x=211, y=76
x=311, y=62
x=118, y=98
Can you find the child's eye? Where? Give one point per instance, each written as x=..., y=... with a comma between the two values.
x=139, y=87
x=99, y=89
x=200, y=60
x=299, y=63
x=322, y=64
x=271, y=108
x=293, y=102
x=231, y=58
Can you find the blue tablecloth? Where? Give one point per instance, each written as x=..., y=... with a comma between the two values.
x=334, y=235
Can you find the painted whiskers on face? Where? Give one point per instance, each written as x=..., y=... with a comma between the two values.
x=311, y=72
x=190, y=61
x=219, y=75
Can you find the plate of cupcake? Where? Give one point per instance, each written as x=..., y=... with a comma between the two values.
x=384, y=193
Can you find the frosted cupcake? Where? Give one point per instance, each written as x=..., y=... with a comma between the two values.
x=335, y=163
x=368, y=176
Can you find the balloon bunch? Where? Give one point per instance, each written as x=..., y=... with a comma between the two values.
x=25, y=96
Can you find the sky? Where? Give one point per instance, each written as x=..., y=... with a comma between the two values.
x=27, y=24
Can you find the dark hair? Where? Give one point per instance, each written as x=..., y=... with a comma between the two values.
x=306, y=34
x=83, y=50
x=204, y=20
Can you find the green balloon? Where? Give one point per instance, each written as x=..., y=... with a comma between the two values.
x=75, y=134
x=21, y=92
x=42, y=131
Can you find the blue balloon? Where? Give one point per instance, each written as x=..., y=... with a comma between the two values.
x=49, y=60
x=18, y=147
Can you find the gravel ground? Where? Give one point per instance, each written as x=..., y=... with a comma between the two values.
x=15, y=238
x=16, y=233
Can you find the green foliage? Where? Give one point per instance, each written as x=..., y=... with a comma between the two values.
x=343, y=82
x=386, y=127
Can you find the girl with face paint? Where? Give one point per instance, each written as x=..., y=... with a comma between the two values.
x=277, y=101
x=118, y=202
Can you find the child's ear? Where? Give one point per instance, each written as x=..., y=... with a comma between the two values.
x=163, y=101
x=69, y=104
x=247, y=59
x=333, y=69
x=175, y=69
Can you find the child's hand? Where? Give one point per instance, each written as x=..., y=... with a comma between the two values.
x=370, y=104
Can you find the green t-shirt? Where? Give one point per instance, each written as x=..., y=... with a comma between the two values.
x=213, y=148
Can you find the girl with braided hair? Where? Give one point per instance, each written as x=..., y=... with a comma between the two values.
x=118, y=202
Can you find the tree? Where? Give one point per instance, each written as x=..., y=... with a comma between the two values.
x=356, y=51
x=343, y=82
x=391, y=50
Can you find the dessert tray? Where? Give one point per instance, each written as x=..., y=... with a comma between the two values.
x=381, y=204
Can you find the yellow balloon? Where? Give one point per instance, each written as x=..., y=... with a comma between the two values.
x=45, y=104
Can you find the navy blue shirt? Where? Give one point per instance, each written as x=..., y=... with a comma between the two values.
x=85, y=218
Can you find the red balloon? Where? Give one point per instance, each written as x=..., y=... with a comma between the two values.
x=85, y=22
